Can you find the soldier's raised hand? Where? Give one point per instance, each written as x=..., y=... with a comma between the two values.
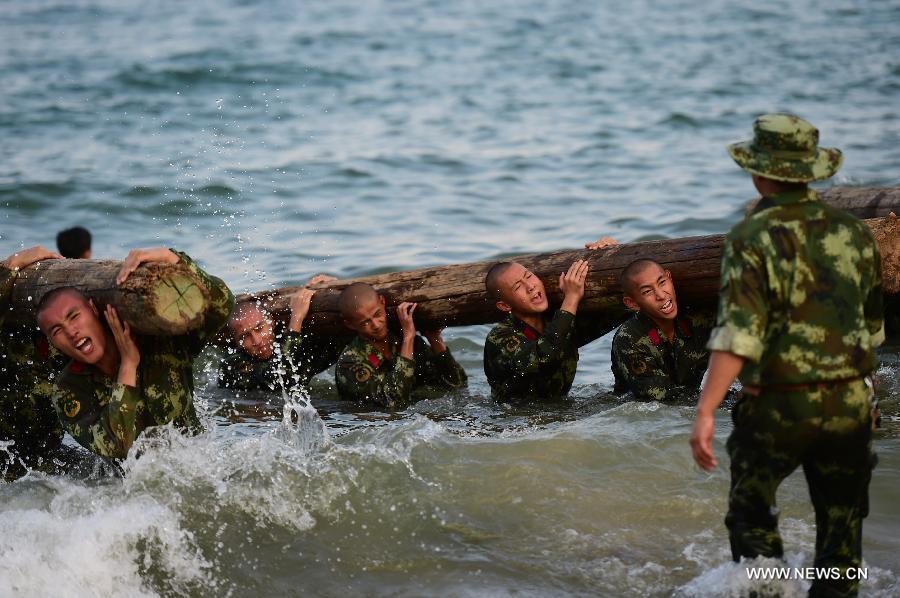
x=319, y=279
x=26, y=257
x=601, y=243
x=129, y=354
x=300, y=302
x=405, y=315
x=136, y=257
x=571, y=283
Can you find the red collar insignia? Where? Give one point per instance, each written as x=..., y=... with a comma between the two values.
x=373, y=359
x=530, y=333
x=654, y=337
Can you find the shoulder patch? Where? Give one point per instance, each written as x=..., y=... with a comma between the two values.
x=71, y=407
x=513, y=344
x=362, y=372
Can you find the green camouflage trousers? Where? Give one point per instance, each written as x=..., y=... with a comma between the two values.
x=828, y=431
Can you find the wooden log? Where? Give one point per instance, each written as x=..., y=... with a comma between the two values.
x=455, y=295
x=862, y=202
x=157, y=299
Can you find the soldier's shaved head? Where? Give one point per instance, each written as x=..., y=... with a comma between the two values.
x=356, y=295
x=626, y=278
x=492, y=279
x=242, y=309
x=55, y=294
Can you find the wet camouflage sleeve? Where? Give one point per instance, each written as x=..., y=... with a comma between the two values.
x=108, y=428
x=389, y=386
x=221, y=303
x=511, y=356
x=441, y=369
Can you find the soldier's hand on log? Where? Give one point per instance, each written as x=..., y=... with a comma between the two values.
x=571, y=284
x=319, y=279
x=601, y=243
x=136, y=257
x=26, y=257
x=701, y=441
x=300, y=302
x=405, y=315
x=129, y=354
x=435, y=339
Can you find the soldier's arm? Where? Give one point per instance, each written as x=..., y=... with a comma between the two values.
x=443, y=369
x=109, y=430
x=357, y=380
x=221, y=303
x=743, y=305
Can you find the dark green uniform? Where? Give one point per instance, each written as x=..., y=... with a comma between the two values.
x=106, y=417
x=27, y=368
x=653, y=368
x=523, y=364
x=364, y=374
x=801, y=302
x=298, y=358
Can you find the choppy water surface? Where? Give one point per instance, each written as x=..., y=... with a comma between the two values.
x=276, y=140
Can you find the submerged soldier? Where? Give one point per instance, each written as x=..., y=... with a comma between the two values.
x=117, y=384
x=528, y=356
x=262, y=364
x=660, y=353
x=800, y=316
x=377, y=365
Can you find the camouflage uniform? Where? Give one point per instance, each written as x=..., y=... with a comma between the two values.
x=298, y=358
x=28, y=367
x=653, y=368
x=364, y=374
x=801, y=301
x=106, y=417
x=521, y=363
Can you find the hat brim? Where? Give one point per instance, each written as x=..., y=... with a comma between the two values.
x=821, y=165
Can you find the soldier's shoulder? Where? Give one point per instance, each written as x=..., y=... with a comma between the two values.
x=635, y=335
x=500, y=332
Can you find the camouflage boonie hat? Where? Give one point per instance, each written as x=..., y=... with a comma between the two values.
x=786, y=148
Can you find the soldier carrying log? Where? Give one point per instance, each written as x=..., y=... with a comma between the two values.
x=118, y=384
x=660, y=353
x=262, y=364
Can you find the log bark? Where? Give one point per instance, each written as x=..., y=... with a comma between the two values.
x=156, y=299
x=862, y=202
x=455, y=295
